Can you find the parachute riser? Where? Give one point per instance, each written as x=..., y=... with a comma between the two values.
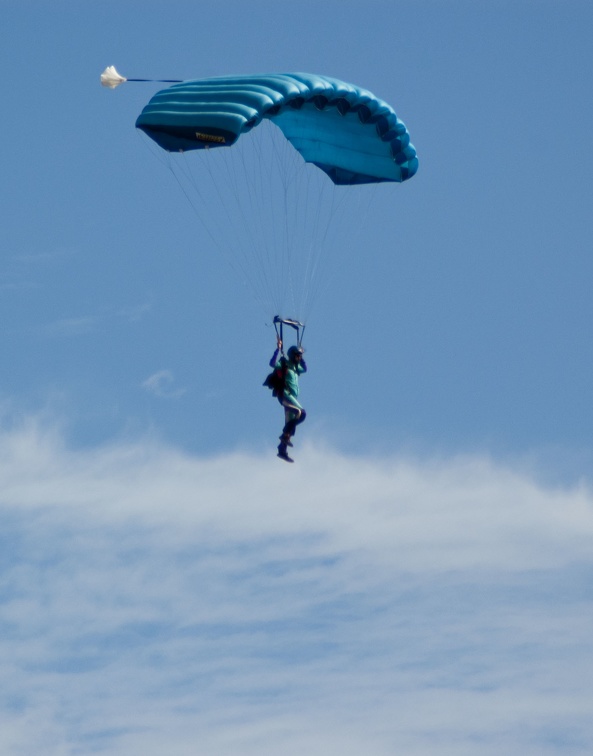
x=299, y=327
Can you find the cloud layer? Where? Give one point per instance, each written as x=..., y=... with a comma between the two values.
x=155, y=602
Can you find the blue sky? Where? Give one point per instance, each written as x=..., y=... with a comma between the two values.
x=471, y=287
x=418, y=582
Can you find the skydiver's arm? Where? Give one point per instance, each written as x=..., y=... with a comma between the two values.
x=274, y=359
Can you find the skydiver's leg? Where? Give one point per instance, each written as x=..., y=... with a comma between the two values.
x=290, y=427
x=293, y=416
x=288, y=430
x=285, y=437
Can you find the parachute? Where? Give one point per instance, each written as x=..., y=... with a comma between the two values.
x=267, y=203
x=342, y=129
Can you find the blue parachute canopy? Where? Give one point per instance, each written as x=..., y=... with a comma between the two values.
x=342, y=129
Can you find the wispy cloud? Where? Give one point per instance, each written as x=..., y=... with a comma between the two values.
x=161, y=384
x=80, y=325
x=155, y=602
x=74, y=326
x=135, y=313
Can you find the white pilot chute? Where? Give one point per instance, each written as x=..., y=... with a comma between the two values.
x=111, y=78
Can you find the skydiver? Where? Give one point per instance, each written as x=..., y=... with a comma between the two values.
x=294, y=414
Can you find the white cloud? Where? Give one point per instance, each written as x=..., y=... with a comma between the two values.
x=155, y=602
x=160, y=383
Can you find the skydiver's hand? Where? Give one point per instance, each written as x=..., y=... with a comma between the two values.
x=279, y=342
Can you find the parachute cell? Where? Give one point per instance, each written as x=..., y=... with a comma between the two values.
x=347, y=132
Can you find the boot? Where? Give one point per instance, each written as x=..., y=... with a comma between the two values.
x=282, y=453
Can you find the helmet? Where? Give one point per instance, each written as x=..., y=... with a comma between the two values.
x=294, y=350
